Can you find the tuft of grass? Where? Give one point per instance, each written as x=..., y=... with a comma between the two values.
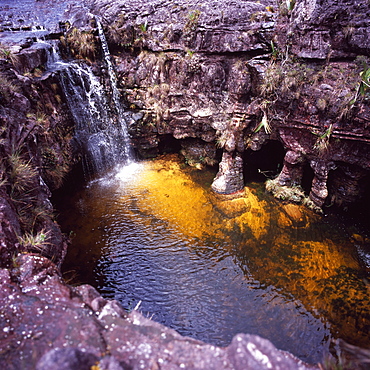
x=54, y=168
x=7, y=88
x=143, y=27
x=81, y=44
x=38, y=242
x=6, y=53
x=322, y=142
x=22, y=174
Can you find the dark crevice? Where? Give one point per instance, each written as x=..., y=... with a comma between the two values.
x=264, y=163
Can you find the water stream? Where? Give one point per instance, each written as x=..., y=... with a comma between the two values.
x=211, y=267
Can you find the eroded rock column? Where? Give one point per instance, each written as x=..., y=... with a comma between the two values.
x=292, y=171
x=229, y=178
x=319, y=188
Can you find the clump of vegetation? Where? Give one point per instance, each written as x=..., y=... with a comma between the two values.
x=22, y=174
x=7, y=88
x=22, y=180
x=156, y=98
x=191, y=25
x=10, y=56
x=81, y=44
x=322, y=142
x=54, y=167
x=264, y=123
x=193, y=20
x=290, y=194
x=364, y=85
x=119, y=34
x=39, y=242
x=143, y=27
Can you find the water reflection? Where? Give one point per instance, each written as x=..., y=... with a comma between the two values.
x=212, y=267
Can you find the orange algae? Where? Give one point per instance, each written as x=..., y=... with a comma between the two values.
x=173, y=196
x=283, y=244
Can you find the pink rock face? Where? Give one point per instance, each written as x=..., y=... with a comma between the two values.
x=46, y=324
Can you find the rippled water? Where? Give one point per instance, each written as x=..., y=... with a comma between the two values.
x=212, y=267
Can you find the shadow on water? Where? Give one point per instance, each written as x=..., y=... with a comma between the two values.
x=211, y=267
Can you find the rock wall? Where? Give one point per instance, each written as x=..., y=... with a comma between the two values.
x=232, y=77
x=35, y=155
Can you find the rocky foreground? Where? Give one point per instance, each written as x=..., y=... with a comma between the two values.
x=47, y=324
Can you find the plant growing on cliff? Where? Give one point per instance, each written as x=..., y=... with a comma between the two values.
x=7, y=88
x=39, y=242
x=7, y=54
x=143, y=26
x=192, y=22
x=364, y=85
x=81, y=44
x=54, y=167
x=264, y=123
x=322, y=142
x=22, y=174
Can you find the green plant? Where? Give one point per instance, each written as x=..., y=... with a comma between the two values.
x=290, y=4
x=39, y=242
x=274, y=51
x=22, y=174
x=293, y=194
x=192, y=22
x=7, y=54
x=265, y=124
x=7, y=88
x=190, y=53
x=223, y=137
x=322, y=142
x=143, y=26
x=364, y=85
x=54, y=168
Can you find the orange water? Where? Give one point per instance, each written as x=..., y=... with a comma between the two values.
x=211, y=266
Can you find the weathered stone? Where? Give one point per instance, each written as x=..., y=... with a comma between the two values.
x=292, y=171
x=46, y=324
x=229, y=178
x=66, y=359
x=9, y=231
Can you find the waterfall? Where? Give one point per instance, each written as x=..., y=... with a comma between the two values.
x=116, y=96
x=101, y=130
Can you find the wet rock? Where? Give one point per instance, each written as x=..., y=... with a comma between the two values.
x=33, y=57
x=46, y=324
x=9, y=231
x=229, y=178
x=67, y=359
x=252, y=352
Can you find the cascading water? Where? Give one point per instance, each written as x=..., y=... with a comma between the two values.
x=101, y=128
x=116, y=96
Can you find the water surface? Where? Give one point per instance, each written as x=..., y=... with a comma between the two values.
x=211, y=267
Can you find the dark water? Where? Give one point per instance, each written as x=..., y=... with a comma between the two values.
x=212, y=267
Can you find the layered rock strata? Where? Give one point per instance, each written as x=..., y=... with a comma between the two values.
x=242, y=74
